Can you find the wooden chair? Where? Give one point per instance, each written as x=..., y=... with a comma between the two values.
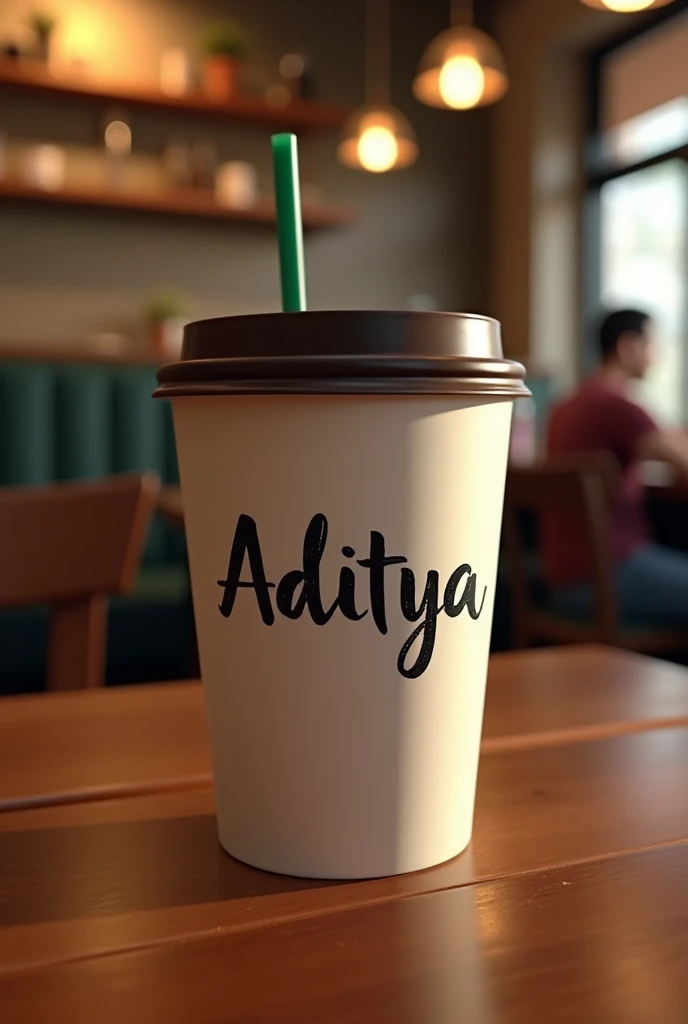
x=70, y=546
x=583, y=485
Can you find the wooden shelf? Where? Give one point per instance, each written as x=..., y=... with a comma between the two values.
x=185, y=202
x=298, y=116
x=60, y=352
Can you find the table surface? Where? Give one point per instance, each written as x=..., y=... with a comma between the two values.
x=140, y=739
x=603, y=941
x=571, y=904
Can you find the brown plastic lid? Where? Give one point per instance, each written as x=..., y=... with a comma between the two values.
x=343, y=352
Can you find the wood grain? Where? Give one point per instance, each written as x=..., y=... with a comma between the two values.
x=56, y=748
x=556, y=695
x=77, y=643
x=598, y=942
x=66, y=747
x=86, y=879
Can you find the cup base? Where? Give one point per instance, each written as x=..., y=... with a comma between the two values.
x=275, y=867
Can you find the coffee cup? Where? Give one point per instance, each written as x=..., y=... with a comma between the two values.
x=343, y=478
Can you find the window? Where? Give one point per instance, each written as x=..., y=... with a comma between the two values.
x=644, y=217
x=638, y=191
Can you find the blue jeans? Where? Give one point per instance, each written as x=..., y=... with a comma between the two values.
x=651, y=586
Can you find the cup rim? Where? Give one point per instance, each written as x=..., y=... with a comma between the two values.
x=344, y=351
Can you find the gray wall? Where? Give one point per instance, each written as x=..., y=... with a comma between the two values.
x=65, y=274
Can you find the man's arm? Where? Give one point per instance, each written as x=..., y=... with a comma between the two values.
x=665, y=446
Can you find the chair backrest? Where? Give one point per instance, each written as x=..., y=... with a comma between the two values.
x=583, y=486
x=70, y=546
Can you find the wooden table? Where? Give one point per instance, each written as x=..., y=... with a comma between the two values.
x=117, y=904
x=71, y=746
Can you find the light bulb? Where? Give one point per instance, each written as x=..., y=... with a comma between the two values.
x=461, y=82
x=378, y=149
x=627, y=6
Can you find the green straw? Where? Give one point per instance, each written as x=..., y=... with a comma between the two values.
x=289, y=225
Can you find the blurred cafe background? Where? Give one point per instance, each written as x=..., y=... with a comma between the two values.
x=523, y=159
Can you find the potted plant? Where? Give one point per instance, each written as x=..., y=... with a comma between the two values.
x=224, y=48
x=42, y=24
x=165, y=313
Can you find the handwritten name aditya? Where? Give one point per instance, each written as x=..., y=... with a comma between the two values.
x=299, y=589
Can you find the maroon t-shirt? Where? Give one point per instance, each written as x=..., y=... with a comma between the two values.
x=596, y=418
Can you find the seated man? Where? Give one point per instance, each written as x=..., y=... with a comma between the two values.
x=651, y=581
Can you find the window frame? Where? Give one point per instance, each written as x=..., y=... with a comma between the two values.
x=596, y=175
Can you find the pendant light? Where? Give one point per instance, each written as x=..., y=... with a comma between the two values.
x=462, y=67
x=626, y=6
x=377, y=137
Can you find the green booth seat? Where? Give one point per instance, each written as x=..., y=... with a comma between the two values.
x=71, y=419
x=27, y=424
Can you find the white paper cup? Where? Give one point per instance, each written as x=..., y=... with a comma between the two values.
x=343, y=747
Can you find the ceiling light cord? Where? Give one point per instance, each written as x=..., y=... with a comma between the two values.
x=378, y=51
x=461, y=12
